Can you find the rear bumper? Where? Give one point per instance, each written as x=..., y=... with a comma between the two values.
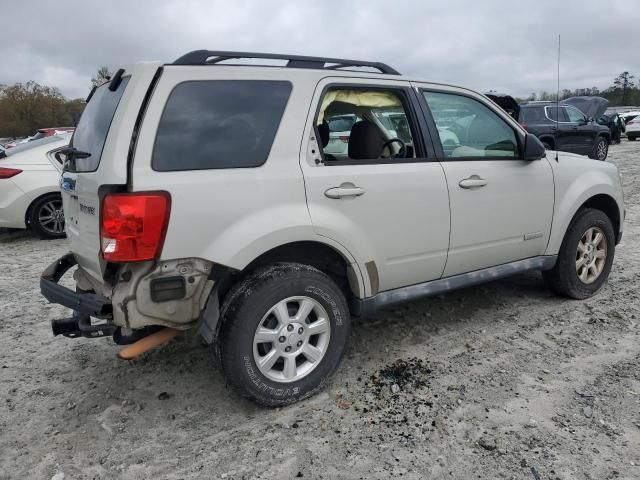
x=86, y=303
x=13, y=205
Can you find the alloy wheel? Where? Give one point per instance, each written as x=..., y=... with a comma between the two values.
x=591, y=255
x=291, y=339
x=51, y=217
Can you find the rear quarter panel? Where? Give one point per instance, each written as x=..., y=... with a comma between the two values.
x=231, y=216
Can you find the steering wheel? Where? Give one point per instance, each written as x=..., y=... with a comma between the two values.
x=402, y=153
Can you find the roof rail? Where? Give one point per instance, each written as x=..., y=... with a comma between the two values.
x=209, y=57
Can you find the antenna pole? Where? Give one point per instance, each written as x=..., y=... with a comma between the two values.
x=558, y=102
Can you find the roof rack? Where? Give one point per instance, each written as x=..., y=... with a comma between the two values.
x=210, y=57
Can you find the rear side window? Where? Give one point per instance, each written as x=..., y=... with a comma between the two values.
x=532, y=115
x=219, y=124
x=92, y=130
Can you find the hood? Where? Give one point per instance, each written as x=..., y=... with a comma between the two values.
x=592, y=107
x=506, y=102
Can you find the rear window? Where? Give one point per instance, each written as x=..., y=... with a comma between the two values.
x=219, y=124
x=92, y=130
x=532, y=115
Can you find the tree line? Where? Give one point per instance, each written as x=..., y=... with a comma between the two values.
x=25, y=107
x=624, y=91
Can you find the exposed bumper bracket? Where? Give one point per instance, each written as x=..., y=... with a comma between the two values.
x=86, y=303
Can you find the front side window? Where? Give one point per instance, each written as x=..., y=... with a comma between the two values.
x=575, y=116
x=469, y=129
x=219, y=124
x=364, y=125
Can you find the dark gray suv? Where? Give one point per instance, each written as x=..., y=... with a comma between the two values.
x=572, y=132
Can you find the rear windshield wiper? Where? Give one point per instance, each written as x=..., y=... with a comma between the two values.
x=72, y=153
x=68, y=156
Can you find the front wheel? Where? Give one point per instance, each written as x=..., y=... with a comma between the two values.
x=284, y=331
x=585, y=257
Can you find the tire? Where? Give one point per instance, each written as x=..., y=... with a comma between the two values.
x=563, y=278
x=631, y=139
x=547, y=145
x=600, y=149
x=253, y=303
x=46, y=217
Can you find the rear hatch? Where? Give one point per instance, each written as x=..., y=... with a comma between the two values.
x=96, y=162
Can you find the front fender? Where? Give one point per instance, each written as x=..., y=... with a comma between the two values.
x=575, y=187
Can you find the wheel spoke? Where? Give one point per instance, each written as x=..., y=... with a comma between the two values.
x=583, y=274
x=289, y=367
x=580, y=262
x=269, y=359
x=582, y=247
x=589, y=235
x=597, y=239
x=282, y=313
x=266, y=335
x=45, y=219
x=321, y=325
x=601, y=253
x=306, y=306
x=313, y=354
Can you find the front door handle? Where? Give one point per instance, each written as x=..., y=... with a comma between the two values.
x=345, y=190
x=474, y=181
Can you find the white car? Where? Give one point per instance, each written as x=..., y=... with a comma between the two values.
x=633, y=128
x=30, y=188
x=200, y=198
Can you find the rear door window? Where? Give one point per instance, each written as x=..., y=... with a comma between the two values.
x=92, y=130
x=219, y=124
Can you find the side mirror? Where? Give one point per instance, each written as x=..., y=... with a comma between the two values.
x=533, y=147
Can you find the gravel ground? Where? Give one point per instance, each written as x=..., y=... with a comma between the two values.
x=503, y=380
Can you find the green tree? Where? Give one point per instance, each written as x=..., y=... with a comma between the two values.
x=26, y=107
x=102, y=75
x=623, y=83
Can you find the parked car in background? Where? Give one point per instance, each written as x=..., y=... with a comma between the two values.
x=629, y=116
x=41, y=133
x=565, y=128
x=30, y=188
x=615, y=125
x=633, y=128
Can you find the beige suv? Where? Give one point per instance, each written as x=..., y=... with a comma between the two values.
x=200, y=198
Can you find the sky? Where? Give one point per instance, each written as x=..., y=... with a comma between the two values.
x=507, y=46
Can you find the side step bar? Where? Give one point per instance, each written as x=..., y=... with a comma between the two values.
x=368, y=306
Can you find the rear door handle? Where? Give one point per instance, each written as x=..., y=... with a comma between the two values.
x=474, y=181
x=346, y=190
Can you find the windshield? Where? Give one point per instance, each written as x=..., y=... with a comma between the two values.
x=94, y=124
x=35, y=143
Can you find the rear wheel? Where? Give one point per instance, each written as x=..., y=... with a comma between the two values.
x=631, y=139
x=547, y=145
x=46, y=217
x=600, y=149
x=585, y=257
x=284, y=331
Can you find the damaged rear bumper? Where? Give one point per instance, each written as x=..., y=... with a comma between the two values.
x=85, y=303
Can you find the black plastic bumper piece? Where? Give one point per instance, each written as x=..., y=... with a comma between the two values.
x=86, y=303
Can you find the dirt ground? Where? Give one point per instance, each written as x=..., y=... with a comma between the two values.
x=503, y=380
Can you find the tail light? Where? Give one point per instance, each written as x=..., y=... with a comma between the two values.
x=344, y=138
x=9, y=172
x=133, y=225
